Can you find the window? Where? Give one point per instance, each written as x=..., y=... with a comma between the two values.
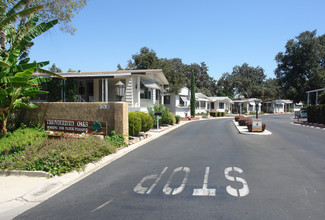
x=145, y=93
x=181, y=101
x=167, y=99
x=212, y=105
x=158, y=99
x=221, y=105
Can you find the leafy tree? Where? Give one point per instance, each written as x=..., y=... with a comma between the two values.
x=55, y=69
x=174, y=72
x=302, y=66
x=225, y=86
x=61, y=10
x=246, y=80
x=193, y=101
x=119, y=67
x=177, y=73
x=17, y=83
x=272, y=89
x=146, y=59
x=203, y=82
x=71, y=70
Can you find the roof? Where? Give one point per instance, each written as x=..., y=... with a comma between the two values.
x=220, y=98
x=245, y=100
x=201, y=97
x=157, y=74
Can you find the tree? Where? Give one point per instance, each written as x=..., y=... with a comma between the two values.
x=172, y=68
x=302, y=66
x=55, y=69
x=225, y=86
x=174, y=72
x=61, y=10
x=146, y=59
x=193, y=101
x=119, y=67
x=71, y=70
x=248, y=80
x=17, y=83
x=177, y=73
x=272, y=89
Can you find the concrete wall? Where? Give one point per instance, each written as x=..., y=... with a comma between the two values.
x=116, y=115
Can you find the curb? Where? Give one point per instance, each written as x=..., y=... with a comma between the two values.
x=308, y=126
x=244, y=130
x=25, y=173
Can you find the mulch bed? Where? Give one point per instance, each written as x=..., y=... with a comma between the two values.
x=310, y=124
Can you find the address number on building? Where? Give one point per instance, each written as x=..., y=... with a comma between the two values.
x=106, y=107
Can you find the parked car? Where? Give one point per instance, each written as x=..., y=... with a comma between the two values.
x=303, y=113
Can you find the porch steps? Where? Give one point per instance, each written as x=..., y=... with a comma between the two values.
x=129, y=93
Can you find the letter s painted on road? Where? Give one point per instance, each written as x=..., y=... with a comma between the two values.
x=232, y=191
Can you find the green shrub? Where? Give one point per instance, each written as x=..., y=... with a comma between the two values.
x=316, y=114
x=171, y=118
x=158, y=108
x=146, y=121
x=178, y=119
x=213, y=114
x=134, y=124
x=166, y=118
x=58, y=156
x=116, y=140
x=20, y=139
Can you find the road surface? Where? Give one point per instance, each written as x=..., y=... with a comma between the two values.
x=205, y=170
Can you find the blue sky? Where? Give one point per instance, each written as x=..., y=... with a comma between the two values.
x=222, y=34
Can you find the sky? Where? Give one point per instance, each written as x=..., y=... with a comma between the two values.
x=221, y=33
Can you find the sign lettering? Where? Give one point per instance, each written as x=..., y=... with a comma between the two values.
x=75, y=126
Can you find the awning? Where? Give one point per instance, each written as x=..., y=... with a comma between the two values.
x=278, y=102
x=184, y=99
x=150, y=84
x=251, y=103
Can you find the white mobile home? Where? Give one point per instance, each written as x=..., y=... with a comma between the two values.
x=220, y=104
x=277, y=106
x=143, y=88
x=179, y=104
x=246, y=106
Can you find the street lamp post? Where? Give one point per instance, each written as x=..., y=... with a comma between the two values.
x=257, y=102
x=120, y=90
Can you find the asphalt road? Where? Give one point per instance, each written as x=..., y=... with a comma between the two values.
x=205, y=170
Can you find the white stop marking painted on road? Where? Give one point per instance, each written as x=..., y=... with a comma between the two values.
x=232, y=191
x=204, y=191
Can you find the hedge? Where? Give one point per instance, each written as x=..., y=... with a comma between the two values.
x=178, y=119
x=134, y=123
x=316, y=114
x=146, y=121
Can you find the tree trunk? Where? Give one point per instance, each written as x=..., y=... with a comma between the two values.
x=2, y=39
x=4, y=127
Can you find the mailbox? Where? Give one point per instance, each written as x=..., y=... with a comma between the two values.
x=256, y=125
x=157, y=113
